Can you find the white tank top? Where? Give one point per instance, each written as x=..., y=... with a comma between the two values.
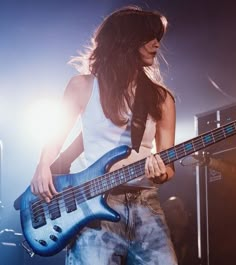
x=100, y=135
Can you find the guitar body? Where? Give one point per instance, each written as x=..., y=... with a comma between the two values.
x=48, y=228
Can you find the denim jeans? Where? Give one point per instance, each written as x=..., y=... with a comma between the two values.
x=141, y=237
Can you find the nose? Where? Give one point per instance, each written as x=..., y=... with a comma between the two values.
x=155, y=43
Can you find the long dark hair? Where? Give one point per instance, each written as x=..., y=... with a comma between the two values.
x=116, y=62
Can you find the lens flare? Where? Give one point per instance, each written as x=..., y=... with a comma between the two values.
x=44, y=118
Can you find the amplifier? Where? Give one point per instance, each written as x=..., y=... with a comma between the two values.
x=216, y=193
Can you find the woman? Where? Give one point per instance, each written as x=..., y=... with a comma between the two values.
x=121, y=102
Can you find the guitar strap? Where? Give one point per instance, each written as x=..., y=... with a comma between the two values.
x=139, y=118
x=138, y=125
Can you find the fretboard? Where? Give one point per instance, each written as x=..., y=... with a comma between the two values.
x=116, y=178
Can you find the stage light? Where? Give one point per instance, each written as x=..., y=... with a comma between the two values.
x=44, y=118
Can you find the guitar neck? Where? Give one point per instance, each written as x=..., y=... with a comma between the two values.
x=135, y=170
x=198, y=143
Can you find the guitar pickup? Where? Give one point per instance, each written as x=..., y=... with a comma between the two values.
x=37, y=214
x=69, y=199
x=54, y=209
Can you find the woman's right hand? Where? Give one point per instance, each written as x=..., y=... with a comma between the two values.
x=42, y=183
x=74, y=101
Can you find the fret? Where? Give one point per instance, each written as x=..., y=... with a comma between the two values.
x=92, y=189
x=99, y=185
x=188, y=147
x=136, y=170
x=104, y=183
x=208, y=139
x=127, y=173
x=103, y=189
x=202, y=140
x=121, y=175
x=172, y=154
x=224, y=132
x=141, y=167
x=131, y=171
x=113, y=180
x=229, y=130
x=219, y=134
x=198, y=143
x=95, y=187
x=219, y=137
x=180, y=150
x=213, y=137
x=164, y=156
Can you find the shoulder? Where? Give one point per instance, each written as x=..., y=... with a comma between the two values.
x=168, y=107
x=168, y=93
x=80, y=82
x=78, y=90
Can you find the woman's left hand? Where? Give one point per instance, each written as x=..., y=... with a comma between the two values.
x=155, y=169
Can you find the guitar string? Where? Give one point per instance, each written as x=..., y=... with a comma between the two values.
x=101, y=189
x=85, y=192
x=79, y=199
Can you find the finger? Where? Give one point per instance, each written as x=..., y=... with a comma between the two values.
x=44, y=198
x=157, y=169
x=146, y=166
x=52, y=188
x=38, y=192
x=161, y=165
x=35, y=189
x=150, y=168
x=32, y=188
x=44, y=192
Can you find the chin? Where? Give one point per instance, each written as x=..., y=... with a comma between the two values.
x=148, y=63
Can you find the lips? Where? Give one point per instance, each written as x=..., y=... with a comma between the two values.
x=153, y=53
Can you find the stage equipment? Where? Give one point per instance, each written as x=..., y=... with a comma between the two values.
x=216, y=193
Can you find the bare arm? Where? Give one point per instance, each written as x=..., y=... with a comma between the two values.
x=63, y=162
x=74, y=100
x=165, y=138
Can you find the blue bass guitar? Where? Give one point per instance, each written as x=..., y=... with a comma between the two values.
x=49, y=227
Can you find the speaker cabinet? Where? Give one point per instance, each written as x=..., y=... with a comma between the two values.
x=216, y=193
